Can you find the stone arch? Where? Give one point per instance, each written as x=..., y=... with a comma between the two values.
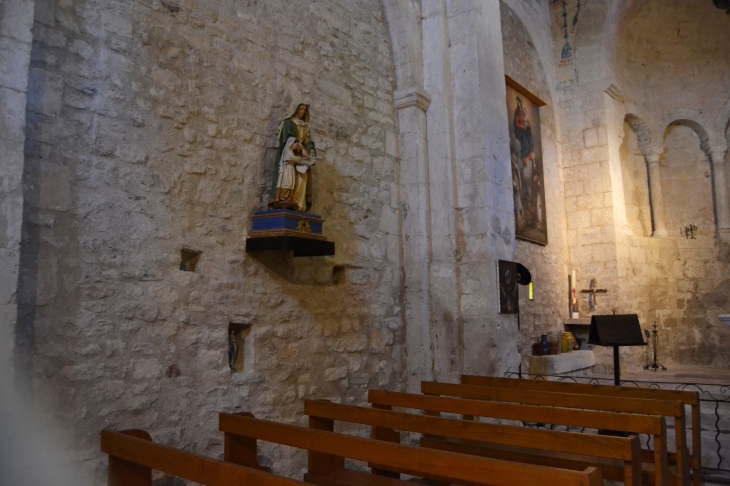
x=641, y=130
x=610, y=37
x=634, y=170
x=682, y=117
x=405, y=37
x=723, y=120
x=543, y=47
x=692, y=119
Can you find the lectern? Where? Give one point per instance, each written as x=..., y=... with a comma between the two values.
x=616, y=331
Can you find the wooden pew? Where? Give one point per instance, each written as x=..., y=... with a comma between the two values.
x=688, y=398
x=665, y=408
x=133, y=456
x=657, y=474
x=328, y=450
x=521, y=444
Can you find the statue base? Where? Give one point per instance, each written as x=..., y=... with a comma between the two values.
x=288, y=230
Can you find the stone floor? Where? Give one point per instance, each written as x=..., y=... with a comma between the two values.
x=677, y=374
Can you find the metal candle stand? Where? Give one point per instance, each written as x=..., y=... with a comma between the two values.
x=655, y=365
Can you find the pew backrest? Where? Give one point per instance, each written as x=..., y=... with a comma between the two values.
x=689, y=398
x=133, y=456
x=439, y=465
x=622, y=448
x=667, y=408
x=594, y=419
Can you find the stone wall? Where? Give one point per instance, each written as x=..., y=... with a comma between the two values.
x=680, y=283
x=633, y=76
x=151, y=128
x=16, y=19
x=546, y=314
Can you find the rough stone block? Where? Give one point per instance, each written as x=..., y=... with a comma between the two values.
x=579, y=219
x=573, y=188
x=602, y=217
x=49, y=37
x=11, y=165
x=9, y=264
x=8, y=316
x=389, y=221
x=12, y=121
x=16, y=19
x=45, y=90
x=114, y=22
x=55, y=191
x=14, y=61
x=81, y=48
x=603, y=252
x=11, y=219
x=590, y=137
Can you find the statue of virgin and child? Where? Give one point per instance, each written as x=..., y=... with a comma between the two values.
x=291, y=187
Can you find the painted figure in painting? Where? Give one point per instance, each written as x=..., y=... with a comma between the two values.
x=526, y=165
x=292, y=183
x=527, y=174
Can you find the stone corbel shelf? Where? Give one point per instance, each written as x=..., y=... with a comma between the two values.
x=561, y=363
x=725, y=319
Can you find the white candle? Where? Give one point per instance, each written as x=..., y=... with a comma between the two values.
x=573, y=286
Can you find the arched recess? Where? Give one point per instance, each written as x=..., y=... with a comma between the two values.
x=405, y=37
x=694, y=120
x=641, y=130
x=635, y=175
x=687, y=164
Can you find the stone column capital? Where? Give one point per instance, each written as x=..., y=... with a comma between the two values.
x=717, y=153
x=412, y=96
x=652, y=154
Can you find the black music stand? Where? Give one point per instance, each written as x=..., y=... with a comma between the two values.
x=613, y=330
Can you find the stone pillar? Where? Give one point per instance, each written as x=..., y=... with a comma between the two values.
x=16, y=20
x=446, y=322
x=720, y=158
x=483, y=197
x=412, y=104
x=652, y=155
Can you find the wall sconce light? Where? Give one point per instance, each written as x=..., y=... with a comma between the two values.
x=688, y=231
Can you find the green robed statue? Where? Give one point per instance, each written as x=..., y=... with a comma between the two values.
x=291, y=187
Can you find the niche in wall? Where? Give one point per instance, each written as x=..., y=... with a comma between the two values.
x=238, y=347
x=189, y=259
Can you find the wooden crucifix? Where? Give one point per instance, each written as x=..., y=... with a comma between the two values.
x=592, y=291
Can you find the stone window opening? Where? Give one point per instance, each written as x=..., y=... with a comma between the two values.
x=189, y=259
x=338, y=274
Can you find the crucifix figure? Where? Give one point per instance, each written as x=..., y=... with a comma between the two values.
x=592, y=291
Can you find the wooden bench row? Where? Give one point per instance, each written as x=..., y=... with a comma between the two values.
x=455, y=451
x=132, y=457
x=689, y=399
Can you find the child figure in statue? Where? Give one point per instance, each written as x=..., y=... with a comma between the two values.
x=291, y=186
x=292, y=182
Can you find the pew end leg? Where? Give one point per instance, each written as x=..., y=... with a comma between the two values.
x=127, y=473
x=320, y=463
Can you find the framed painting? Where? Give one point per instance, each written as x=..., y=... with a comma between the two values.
x=528, y=181
x=507, y=284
